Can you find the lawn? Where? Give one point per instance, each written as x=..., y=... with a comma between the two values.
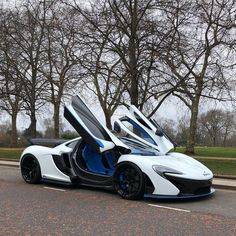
x=212, y=151
x=10, y=154
x=200, y=151
x=220, y=167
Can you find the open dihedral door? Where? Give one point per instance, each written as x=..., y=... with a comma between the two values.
x=90, y=129
x=136, y=125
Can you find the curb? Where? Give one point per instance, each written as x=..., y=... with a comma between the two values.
x=225, y=177
x=15, y=164
x=225, y=187
x=9, y=160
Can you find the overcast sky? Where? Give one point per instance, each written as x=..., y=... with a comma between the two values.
x=170, y=109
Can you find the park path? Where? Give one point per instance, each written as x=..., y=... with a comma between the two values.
x=215, y=158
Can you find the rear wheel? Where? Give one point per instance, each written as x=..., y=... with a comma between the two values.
x=129, y=181
x=30, y=169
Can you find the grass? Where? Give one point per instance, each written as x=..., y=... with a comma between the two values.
x=224, y=152
x=220, y=167
x=12, y=154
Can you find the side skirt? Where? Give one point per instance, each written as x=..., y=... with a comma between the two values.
x=78, y=183
x=51, y=181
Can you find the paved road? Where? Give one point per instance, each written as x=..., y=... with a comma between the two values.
x=54, y=210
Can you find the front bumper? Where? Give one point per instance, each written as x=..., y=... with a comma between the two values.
x=190, y=186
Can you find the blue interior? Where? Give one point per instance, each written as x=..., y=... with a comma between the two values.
x=94, y=163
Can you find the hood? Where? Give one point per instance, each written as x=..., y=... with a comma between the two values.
x=191, y=168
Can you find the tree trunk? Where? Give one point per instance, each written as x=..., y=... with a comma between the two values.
x=56, y=119
x=225, y=137
x=13, y=130
x=193, y=126
x=134, y=92
x=33, y=131
x=32, y=108
x=133, y=75
x=108, y=119
x=214, y=141
x=133, y=48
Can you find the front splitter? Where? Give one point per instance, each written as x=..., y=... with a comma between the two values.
x=155, y=196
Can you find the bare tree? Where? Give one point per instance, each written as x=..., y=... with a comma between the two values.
x=61, y=56
x=104, y=73
x=10, y=82
x=27, y=30
x=197, y=53
x=219, y=125
x=130, y=30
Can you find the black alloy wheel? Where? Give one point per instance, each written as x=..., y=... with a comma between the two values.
x=30, y=169
x=129, y=181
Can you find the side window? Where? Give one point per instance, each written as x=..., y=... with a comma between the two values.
x=72, y=144
x=141, y=120
x=138, y=130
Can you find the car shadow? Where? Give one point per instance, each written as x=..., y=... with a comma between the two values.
x=113, y=193
x=180, y=200
x=78, y=187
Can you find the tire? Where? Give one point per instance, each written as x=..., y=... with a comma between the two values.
x=129, y=182
x=30, y=169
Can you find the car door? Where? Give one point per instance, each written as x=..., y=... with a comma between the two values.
x=90, y=129
x=139, y=127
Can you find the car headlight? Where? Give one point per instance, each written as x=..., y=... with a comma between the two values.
x=161, y=170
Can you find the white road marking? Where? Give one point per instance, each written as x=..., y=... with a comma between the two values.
x=170, y=208
x=56, y=189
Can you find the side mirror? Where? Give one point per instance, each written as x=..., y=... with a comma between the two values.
x=159, y=132
x=117, y=127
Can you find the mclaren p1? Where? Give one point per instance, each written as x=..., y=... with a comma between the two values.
x=135, y=159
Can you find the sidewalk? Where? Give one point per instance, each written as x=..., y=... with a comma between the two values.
x=222, y=183
x=215, y=158
x=9, y=163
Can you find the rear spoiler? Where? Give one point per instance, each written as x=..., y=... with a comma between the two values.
x=46, y=142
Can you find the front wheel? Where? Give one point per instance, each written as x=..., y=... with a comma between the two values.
x=30, y=169
x=129, y=181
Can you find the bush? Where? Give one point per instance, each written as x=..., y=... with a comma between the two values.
x=69, y=134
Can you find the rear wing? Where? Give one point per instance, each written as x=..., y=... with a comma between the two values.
x=46, y=142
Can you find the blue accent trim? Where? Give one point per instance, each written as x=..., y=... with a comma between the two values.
x=146, y=136
x=153, y=196
x=100, y=144
x=138, y=148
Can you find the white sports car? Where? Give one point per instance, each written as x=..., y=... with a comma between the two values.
x=136, y=165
